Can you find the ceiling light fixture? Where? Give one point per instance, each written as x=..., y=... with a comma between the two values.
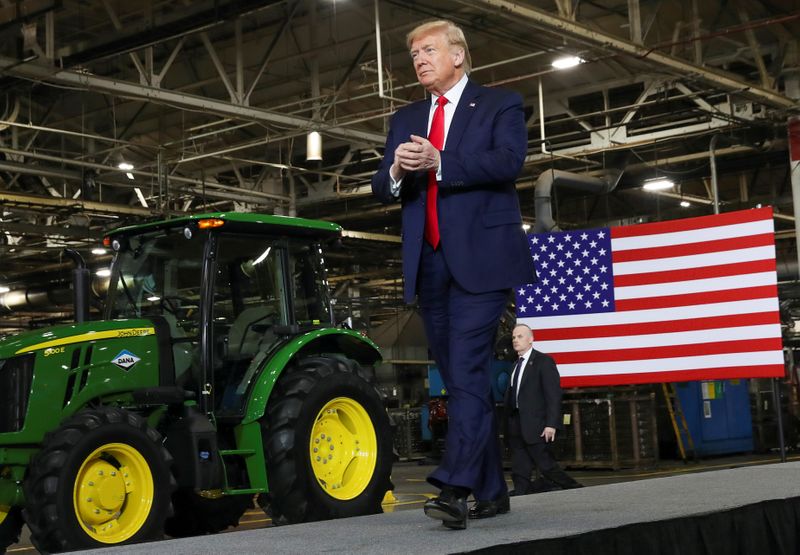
x=567, y=62
x=125, y=166
x=686, y=203
x=105, y=272
x=658, y=184
x=99, y=251
x=313, y=146
x=4, y=289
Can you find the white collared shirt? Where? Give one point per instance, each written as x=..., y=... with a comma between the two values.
x=526, y=356
x=453, y=96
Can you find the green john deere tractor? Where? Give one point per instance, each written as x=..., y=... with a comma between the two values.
x=215, y=376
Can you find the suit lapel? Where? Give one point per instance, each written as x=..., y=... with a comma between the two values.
x=466, y=107
x=530, y=370
x=419, y=121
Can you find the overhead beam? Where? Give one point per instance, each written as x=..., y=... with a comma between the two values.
x=592, y=37
x=13, y=67
x=191, y=18
x=51, y=231
x=84, y=206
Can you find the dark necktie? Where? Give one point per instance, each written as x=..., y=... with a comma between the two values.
x=436, y=137
x=514, y=382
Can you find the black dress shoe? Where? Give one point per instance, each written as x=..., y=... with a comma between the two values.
x=541, y=485
x=488, y=509
x=449, y=508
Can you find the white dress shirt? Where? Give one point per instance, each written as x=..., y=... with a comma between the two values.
x=453, y=96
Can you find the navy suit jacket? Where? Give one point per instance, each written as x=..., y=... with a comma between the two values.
x=479, y=216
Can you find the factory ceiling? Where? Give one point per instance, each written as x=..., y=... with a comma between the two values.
x=210, y=102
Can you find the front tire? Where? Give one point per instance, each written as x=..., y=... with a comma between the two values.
x=102, y=478
x=10, y=526
x=328, y=442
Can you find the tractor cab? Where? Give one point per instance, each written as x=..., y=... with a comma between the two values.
x=224, y=296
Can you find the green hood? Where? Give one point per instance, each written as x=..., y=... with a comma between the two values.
x=67, y=334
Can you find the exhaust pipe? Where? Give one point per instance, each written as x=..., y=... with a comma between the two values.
x=80, y=286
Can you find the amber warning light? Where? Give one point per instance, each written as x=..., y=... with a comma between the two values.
x=210, y=223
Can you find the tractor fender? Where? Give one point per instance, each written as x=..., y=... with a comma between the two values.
x=329, y=340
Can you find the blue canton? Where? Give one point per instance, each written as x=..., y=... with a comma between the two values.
x=575, y=274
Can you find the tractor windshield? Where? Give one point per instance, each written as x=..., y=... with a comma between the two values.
x=158, y=274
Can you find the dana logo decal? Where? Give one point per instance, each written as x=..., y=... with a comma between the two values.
x=125, y=360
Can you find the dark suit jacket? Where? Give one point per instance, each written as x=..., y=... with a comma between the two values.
x=479, y=216
x=539, y=399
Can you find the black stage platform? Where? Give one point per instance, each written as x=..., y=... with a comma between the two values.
x=753, y=510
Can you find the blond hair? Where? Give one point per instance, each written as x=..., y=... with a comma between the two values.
x=452, y=32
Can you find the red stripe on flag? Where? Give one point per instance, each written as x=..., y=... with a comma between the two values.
x=687, y=249
x=672, y=351
x=647, y=328
x=701, y=222
x=721, y=270
x=706, y=297
x=731, y=372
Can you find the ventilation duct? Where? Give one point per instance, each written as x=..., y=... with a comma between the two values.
x=548, y=180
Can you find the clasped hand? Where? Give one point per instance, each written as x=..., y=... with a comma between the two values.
x=417, y=155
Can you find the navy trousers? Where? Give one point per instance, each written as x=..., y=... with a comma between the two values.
x=461, y=328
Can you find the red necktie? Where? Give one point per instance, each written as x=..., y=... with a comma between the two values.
x=436, y=137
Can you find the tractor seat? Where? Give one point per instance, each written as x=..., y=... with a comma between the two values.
x=250, y=330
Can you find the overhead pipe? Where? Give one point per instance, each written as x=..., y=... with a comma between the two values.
x=381, y=93
x=9, y=118
x=712, y=158
x=542, y=134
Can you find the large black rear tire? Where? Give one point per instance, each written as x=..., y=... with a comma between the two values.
x=196, y=515
x=327, y=441
x=10, y=527
x=102, y=478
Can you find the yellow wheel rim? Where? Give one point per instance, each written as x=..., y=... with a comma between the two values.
x=113, y=493
x=4, y=513
x=343, y=448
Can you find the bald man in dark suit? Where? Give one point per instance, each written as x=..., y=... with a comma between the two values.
x=533, y=415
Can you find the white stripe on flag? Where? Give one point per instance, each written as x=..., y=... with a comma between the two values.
x=694, y=261
x=763, y=331
x=652, y=315
x=692, y=236
x=695, y=286
x=672, y=364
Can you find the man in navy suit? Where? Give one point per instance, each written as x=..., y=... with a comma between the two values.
x=452, y=160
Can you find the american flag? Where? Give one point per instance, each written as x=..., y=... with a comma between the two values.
x=691, y=299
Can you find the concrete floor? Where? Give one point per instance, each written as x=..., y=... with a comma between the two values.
x=412, y=490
